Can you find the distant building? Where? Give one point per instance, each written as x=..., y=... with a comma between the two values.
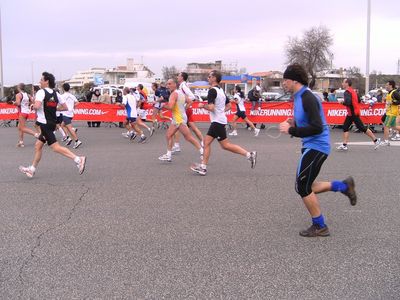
x=199, y=71
x=271, y=80
x=115, y=76
x=83, y=77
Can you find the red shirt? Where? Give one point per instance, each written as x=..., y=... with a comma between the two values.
x=355, y=107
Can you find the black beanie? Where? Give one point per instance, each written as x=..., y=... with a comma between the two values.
x=294, y=74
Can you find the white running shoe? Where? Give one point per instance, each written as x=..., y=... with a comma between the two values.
x=68, y=142
x=256, y=131
x=198, y=169
x=126, y=135
x=142, y=139
x=386, y=143
x=378, y=143
x=77, y=144
x=342, y=148
x=20, y=144
x=27, y=171
x=165, y=157
x=396, y=137
x=81, y=165
x=176, y=149
x=233, y=133
x=253, y=159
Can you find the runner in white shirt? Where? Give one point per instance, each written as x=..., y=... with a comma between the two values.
x=241, y=112
x=46, y=104
x=23, y=101
x=67, y=115
x=217, y=105
x=182, y=78
x=129, y=102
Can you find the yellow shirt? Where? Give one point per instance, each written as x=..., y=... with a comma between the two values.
x=391, y=110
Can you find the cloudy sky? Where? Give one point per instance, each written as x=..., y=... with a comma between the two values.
x=66, y=36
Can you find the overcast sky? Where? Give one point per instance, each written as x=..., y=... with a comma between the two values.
x=66, y=36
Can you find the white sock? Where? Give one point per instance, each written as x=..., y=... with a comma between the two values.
x=77, y=159
x=169, y=153
x=176, y=145
x=62, y=132
x=32, y=168
x=248, y=154
x=203, y=166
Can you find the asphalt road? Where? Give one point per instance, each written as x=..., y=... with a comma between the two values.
x=132, y=227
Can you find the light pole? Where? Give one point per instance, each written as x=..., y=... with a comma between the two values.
x=1, y=62
x=368, y=47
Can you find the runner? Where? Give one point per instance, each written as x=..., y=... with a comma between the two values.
x=241, y=112
x=23, y=101
x=217, y=104
x=141, y=96
x=176, y=104
x=310, y=125
x=392, y=110
x=130, y=104
x=161, y=95
x=46, y=104
x=353, y=116
x=70, y=100
x=182, y=80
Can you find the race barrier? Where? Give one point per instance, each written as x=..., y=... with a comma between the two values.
x=272, y=112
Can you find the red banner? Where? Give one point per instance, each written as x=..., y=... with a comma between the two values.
x=270, y=112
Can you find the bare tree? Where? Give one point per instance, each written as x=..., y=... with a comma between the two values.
x=311, y=51
x=169, y=72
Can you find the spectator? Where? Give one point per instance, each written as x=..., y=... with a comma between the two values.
x=118, y=100
x=105, y=98
x=379, y=96
x=255, y=97
x=332, y=96
x=325, y=94
x=96, y=98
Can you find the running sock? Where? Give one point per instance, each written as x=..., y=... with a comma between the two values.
x=375, y=140
x=62, y=132
x=338, y=186
x=319, y=221
x=77, y=159
x=169, y=153
x=32, y=168
x=203, y=166
x=176, y=145
x=344, y=144
x=248, y=155
x=76, y=141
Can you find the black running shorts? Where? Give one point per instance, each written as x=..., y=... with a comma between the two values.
x=308, y=169
x=47, y=133
x=357, y=121
x=241, y=114
x=217, y=131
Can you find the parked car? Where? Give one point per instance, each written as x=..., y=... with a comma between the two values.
x=270, y=96
x=284, y=98
x=287, y=97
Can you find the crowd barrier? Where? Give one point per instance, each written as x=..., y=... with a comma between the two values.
x=273, y=112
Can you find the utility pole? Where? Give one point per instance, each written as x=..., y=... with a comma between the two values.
x=368, y=47
x=1, y=62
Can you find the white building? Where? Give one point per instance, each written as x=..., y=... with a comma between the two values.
x=82, y=77
x=115, y=76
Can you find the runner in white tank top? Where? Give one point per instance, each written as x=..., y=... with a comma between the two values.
x=217, y=105
x=176, y=104
x=23, y=101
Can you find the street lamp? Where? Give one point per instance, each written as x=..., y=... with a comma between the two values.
x=368, y=46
